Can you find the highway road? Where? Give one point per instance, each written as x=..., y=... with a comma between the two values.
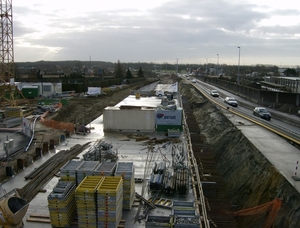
x=281, y=123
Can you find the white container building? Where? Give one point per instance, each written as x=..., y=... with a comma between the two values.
x=131, y=119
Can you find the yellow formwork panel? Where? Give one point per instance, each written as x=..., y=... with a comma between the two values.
x=62, y=222
x=87, y=225
x=57, y=211
x=108, y=200
x=85, y=195
x=87, y=220
x=65, y=220
x=110, y=184
x=64, y=178
x=58, y=202
x=57, y=216
x=89, y=184
x=109, y=191
x=87, y=213
x=85, y=206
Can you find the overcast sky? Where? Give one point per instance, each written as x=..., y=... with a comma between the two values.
x=158, y=31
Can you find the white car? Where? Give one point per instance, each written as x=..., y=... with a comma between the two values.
x=231, y=101
x=262, y=113
x=214, y=93
x=194, y=81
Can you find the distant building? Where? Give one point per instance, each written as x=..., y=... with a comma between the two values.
x=281, y=71
x=45, y=89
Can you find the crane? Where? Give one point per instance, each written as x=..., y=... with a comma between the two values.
x=6, y=43
x=9, y=93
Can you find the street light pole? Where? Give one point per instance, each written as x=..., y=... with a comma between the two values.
x=239, y=65
x=206, y=67
x=217, y=64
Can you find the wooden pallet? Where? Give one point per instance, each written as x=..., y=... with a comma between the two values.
x=38, y=218
x=121, y=224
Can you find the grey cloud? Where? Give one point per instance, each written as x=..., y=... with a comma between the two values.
x=163, y=34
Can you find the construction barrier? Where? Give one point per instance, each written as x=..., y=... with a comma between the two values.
x=70, y=127
x=271, y=207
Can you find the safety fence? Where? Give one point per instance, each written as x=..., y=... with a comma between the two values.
x=65, y=126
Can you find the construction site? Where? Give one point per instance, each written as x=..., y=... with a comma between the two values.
x=133, y=158
x=151, y=170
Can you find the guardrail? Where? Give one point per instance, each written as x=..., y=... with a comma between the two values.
x=284, y=132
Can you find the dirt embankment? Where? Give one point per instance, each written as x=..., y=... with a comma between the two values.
x=250, y=179
x=89, y=108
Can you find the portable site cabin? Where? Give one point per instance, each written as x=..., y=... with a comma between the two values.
x=36, y=89
x=30, y=91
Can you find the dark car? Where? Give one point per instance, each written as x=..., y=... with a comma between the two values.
x=231, y=101
x=262, y=113
x=214, y=93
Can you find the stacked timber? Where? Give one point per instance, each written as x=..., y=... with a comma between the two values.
x=68, y=171
x=61, y=204
x=86, y=198
x=126, y=171
x=86, y=168
x=105, y=169
x=109, y=202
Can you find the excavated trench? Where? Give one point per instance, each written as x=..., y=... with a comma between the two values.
x=235, y=173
